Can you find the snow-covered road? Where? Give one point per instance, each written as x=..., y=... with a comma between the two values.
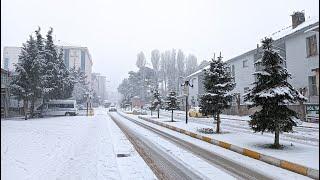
x=77, y=147
x=205, y=157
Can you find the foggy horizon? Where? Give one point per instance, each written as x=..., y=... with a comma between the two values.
x=116, y=31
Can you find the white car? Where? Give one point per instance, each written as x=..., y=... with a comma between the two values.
x=112, y=109
x=58, y=107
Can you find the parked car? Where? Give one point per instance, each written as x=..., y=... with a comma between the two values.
x=57, y=108
x=139, y=111
x=195, y=112
x=81, y=107
x=112, y=109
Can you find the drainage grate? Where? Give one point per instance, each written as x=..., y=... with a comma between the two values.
x=123, y=155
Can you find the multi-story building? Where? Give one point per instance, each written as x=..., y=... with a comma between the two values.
x=78, y=57
x=298, y=44
x=10, y=57
x=99, y=86
x=74, y=56
x=4, y=93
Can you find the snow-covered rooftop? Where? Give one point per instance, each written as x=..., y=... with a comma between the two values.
x=199, y=71
x=288, y=30
x=313, y=22
x=66, y=44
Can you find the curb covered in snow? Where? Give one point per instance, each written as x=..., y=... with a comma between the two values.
x=306, y=171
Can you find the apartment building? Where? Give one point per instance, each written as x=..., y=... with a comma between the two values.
x=298, y=44
x=74, y=56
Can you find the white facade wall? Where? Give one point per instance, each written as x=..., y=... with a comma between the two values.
x=194, y=91
x=243, y=75
x=102, y=87
x=10, y=57
x=298, y=64
x=74, y=59
x=88, y=66
x=99, y=85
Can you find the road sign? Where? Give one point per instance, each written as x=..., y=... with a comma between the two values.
x=312, y=112
x=186, y=90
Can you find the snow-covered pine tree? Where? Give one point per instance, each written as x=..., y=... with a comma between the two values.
x=172, y=102
x=272, y=92
x=26, y=84
x=156, y=103
x=65, y=82
x=217, y=84
x=80, y=85
x=56, y=74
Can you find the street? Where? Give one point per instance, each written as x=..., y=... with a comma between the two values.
x=117, y=147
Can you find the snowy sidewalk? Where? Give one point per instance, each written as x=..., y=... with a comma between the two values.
x=298, y=153
x=77, y=147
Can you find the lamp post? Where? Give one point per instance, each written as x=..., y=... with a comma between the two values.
x=186, y=85
x=87, y=97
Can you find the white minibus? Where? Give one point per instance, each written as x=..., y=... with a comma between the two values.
x=58, y=108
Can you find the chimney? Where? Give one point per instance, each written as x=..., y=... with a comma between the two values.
x=297, y=18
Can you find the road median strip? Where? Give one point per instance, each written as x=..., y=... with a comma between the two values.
x=300, y=169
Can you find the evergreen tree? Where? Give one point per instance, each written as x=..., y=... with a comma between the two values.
x=65, y=83
x=156, y=103
x=172, y=102
x=50, y=71
x=272, y=93
x=58, y=82
x=81, y=87
x=26, y=84
x=217, y=84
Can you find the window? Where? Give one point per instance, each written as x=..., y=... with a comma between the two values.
x=312, y=86
x=82, y=60
x=312, y=46
x=66, y=57
x=245, y=63
x=233, y=73
x=6, y=64
x=51, y=106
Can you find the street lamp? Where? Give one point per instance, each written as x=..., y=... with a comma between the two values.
x=87, y=98
x=186, y=85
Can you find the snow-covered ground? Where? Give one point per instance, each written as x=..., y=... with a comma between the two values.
x=189, y=160
x=78, y=147
x=303, y=154
x=305, y=133
x=270, y=170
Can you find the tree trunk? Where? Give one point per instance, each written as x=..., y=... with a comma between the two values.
x=32, y=107
x=151, y=112
x=218, y=123
x=158, y=113
x=303, y=112
x=276, y=137
x=171, y=115
x=25, y=108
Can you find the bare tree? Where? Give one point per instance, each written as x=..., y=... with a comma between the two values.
x=191, y=64
x=180, y=68
x=141, y=60
x=155, y=59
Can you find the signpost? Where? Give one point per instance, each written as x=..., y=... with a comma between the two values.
x=312, y=112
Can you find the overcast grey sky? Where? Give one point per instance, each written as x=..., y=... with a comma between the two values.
x=116, y=30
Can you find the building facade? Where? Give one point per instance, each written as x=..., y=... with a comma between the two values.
x=73, y=56
x=4, y=93
x=78, y=57
x=99, y=86
x=10, y=57
x=299, y=45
